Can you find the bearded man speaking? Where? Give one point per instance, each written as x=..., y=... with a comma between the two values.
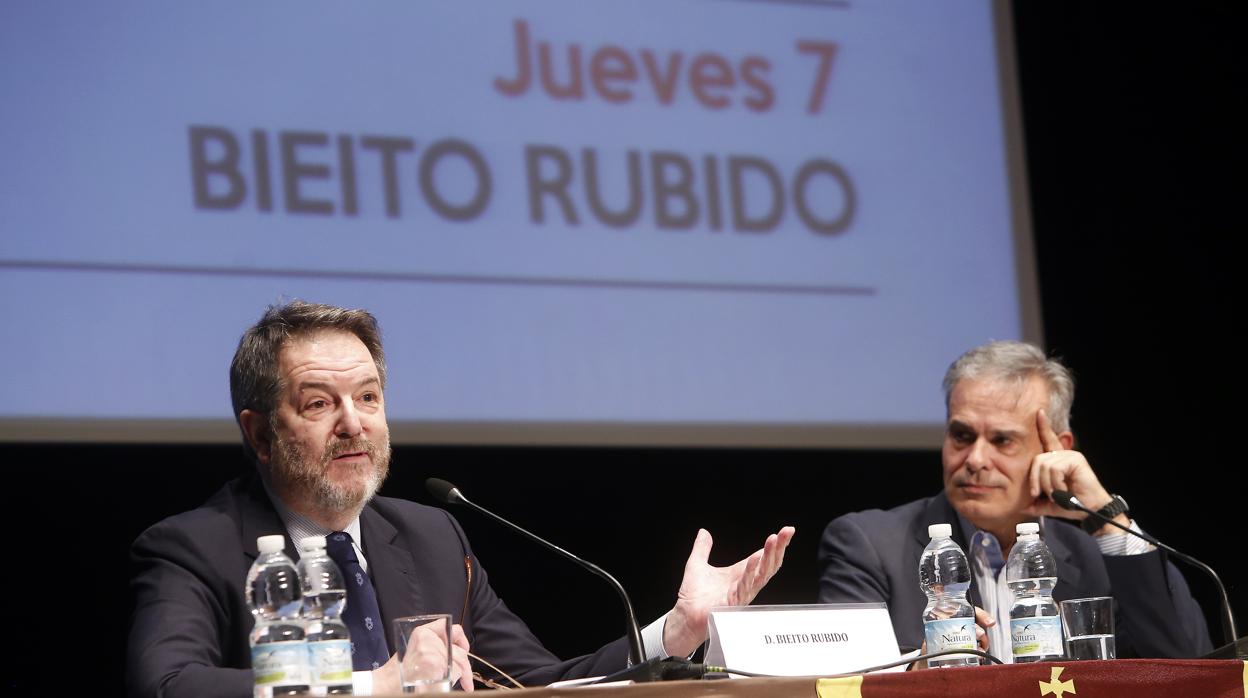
x=308, y=385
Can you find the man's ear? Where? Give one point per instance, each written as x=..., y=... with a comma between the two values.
x=1068, y=440
x=256, y=427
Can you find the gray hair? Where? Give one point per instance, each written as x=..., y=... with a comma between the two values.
x=254, y=381
x=1017, y=362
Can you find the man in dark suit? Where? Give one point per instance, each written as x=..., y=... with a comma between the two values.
x=307, y=386
x=1007, y=447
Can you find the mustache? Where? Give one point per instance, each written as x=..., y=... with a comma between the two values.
x=356, y=445
x=960, y=479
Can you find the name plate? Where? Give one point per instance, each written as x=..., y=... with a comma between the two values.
x=802, y=640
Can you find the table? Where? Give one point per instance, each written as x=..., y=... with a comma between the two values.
x=1123, y=678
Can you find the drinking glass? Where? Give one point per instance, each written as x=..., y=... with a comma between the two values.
x=424, y=648
x=1089, y=625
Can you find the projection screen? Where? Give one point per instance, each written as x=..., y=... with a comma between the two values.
x=670, y=223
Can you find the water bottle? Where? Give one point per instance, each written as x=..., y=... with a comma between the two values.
x=949, y=619
x=279, y=650
x=1035, y=624
x=324, y=598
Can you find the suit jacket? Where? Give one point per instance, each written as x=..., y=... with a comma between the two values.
x=189, y=631
x=872, y=556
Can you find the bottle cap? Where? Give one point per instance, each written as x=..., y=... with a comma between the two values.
x=271, y=544
x=1027, y=527
x=312, y=543
x=939, y=531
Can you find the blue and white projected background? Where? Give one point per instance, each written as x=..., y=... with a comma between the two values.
x=688, y=222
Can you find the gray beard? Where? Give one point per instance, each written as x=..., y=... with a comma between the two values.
x=291, y=468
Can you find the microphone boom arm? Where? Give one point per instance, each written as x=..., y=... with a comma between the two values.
x=1067, y=500
x=451, y=495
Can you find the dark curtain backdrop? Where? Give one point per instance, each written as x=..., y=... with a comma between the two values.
x=1134, y=117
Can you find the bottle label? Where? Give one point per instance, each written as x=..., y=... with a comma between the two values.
x=280, y=663
x=330, y=662
x=949, y=634
x=1036, y=637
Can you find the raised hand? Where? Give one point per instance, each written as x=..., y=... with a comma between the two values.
x=705, y=586
x=1059, y=467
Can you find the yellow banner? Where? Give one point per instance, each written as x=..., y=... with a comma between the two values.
x=851, y=687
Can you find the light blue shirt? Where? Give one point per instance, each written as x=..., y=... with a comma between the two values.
x=988, y=565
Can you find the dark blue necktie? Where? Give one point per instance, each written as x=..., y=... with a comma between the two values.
x=363, y=618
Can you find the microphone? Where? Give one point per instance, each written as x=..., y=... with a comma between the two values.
x=444, y=491
x=1066, y=500
x=1063, y=499
x=447, y=493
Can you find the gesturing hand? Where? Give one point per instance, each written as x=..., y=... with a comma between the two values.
x=704, y=587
